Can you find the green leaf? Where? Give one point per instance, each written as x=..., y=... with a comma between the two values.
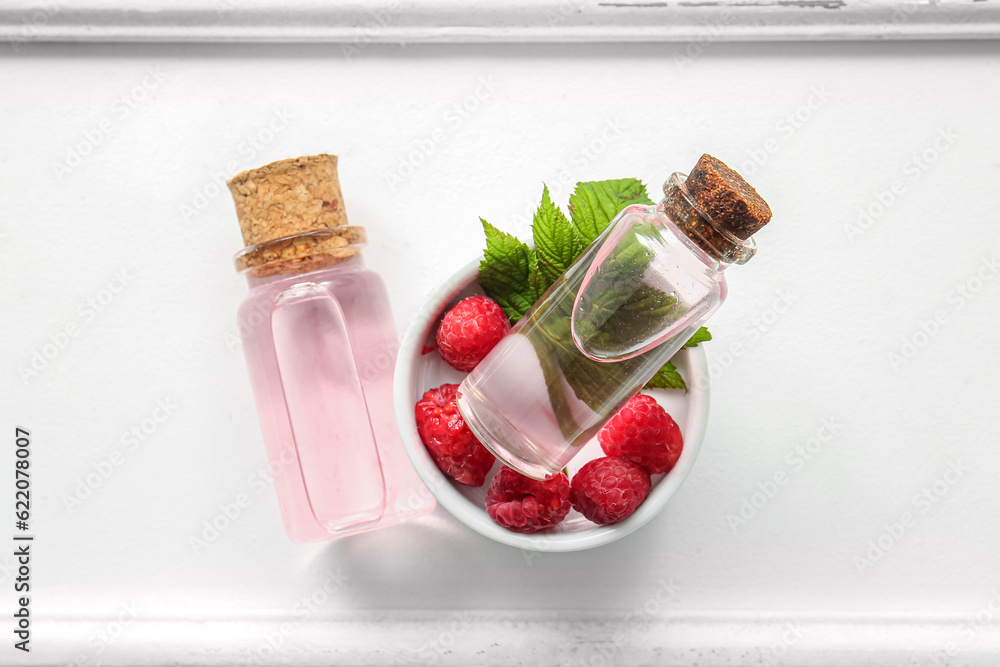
x=667, y=377
x=556, y=242
x=618, y=318
x=594, y=204
x=618, y=309
x=509, y=272
x=550, y=359
x=700, y=336
x=516, y=277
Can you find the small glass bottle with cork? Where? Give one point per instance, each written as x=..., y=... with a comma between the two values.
x=615, y=316
x=320, y=347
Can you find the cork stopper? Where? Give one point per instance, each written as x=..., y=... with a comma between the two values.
x=731, y=202
x=292, y=217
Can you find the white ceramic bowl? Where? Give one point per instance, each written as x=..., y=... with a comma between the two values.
x=417, y=371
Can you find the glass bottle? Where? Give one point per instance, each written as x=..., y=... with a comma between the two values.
x=320, y=346
x=618, y=313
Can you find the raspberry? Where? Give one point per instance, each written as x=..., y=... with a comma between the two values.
x=451, y=444
x=643, y=433
x=470, y=330
x=524, y=505
x=609, y=489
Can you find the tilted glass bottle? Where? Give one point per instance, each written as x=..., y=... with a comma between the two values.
x=618, y=313
x=320, y=346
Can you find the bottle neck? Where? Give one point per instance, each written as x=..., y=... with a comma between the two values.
x=301, y=253
x=310, y=274
x=697, y=225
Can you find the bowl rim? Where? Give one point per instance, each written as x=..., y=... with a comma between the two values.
x=476, y=518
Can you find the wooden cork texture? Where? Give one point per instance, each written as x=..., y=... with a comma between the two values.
x=730, y=201
x=291, y=198
x=302, y=252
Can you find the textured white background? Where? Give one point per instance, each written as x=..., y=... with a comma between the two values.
x=547, y=113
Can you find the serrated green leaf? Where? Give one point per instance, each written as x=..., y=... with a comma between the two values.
x=618, y=309
x=509, y=272
x=516, y=277
x=594, y=204
x=700, y=336
x=667, y=377
x=556, y=242
x=618, y=318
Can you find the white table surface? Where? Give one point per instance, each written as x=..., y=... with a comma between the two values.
x=115, y=577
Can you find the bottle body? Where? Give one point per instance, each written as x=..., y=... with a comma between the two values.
x=320, y=349
x=605, y=327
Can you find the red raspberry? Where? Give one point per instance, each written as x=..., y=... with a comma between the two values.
x=524, y=505
x=470, y=330
x=609, y=489
x=451, y=444
x=644, y=433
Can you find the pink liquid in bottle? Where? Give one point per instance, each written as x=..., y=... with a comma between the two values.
x=321, y=361
x=320, y=346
